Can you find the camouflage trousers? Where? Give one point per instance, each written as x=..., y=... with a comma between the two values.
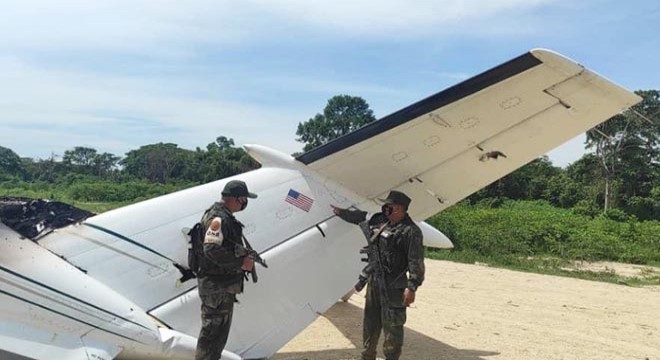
x=388, y=318
x=217, y=311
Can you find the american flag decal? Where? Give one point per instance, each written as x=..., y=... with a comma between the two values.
x=299, y=200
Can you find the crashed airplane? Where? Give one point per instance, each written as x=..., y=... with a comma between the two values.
x=76, y=286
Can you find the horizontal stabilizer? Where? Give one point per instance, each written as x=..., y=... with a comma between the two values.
x=434, y=238
x=447, y=146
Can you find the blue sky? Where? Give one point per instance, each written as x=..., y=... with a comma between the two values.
x=120, y=74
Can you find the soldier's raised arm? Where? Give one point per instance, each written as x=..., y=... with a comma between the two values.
x=351, y=216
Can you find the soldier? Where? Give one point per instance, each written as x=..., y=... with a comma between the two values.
x=397, y=257
x=222, y=269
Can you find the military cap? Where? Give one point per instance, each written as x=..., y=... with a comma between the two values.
x=397, y=197
x=237, y=188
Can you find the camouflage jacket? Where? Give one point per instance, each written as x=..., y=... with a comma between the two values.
x=400, y=246
x=221, y=268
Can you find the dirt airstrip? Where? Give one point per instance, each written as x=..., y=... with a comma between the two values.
x=473, y=312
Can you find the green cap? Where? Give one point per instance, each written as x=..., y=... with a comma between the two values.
x=237, y=188
x=397, y=197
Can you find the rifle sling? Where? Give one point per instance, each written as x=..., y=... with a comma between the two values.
x=247, y=243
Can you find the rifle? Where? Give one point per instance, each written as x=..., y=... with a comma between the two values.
x=247, y=250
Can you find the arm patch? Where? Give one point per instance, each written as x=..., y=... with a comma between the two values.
x=214, y=232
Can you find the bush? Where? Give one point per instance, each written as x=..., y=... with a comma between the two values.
x=586, y=208
x=535, y=228
x=618, y=215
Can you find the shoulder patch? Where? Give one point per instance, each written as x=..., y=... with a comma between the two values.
x=215, y=224
x=214, y=232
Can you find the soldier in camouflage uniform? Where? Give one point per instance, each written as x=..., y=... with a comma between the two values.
x=398, y=272
x=222, y=269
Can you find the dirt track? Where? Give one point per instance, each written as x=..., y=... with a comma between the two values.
x=472, y=312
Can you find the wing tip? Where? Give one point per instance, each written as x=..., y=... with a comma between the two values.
x=567, y=65
x=557, y=61
x=270, y=157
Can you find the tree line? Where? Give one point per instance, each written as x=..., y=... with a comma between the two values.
x=83, y=175
x=160, y=163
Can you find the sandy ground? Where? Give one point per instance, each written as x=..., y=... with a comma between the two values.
x=472, y=312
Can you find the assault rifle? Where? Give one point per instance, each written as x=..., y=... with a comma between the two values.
x=247, y=250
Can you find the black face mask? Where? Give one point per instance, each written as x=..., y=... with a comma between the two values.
x=243, y=204
x=387, y=210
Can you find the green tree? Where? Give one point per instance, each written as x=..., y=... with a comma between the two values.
x=224, y=143
x=586, y=174
x=49, y=169
x=560, y=190
x=86, y=160
x=341, y=115
x=80, y=155
x=627, y=148
x=10, y=164
x=159, y=163
x=220, y=159
x=104, y=164
x=530, y=182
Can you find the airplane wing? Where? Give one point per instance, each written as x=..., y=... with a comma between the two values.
x=451, y=144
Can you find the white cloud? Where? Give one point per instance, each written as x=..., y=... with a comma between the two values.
x=457, y=76
x=166, y=27
x=82, y=108
x=174, y=28
x=401, y=18
x=333, y=87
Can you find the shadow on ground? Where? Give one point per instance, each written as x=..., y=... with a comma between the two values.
x=347, y=318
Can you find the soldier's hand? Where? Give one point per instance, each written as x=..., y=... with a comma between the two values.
x=408, y=297
x=248, y=263
x=336, y=210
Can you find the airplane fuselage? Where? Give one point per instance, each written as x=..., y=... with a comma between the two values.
x=94, y=289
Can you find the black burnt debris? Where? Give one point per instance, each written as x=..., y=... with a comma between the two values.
x=33, y=218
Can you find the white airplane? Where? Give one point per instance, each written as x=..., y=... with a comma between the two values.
x=106, y=287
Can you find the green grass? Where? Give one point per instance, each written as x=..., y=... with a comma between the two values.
x=99, y=207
